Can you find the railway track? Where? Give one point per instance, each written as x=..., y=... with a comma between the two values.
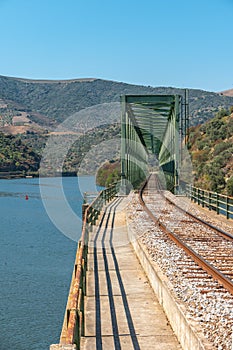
x=204, y=299
x=208, y=246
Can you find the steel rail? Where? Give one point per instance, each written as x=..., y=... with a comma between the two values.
x=215, y=273
x=196, y=218
x=217, y=229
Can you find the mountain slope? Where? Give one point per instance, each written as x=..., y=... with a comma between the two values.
x=17, y=156
x=51, y=102
x=211, y=147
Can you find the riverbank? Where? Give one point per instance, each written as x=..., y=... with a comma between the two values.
x=21, y=175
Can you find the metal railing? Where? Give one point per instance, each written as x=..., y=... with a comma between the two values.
x=73, y=325
x=213, y=201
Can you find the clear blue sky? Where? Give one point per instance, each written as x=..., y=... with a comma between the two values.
x=181, y=43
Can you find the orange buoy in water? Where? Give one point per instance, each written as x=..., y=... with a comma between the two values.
x=26, y=197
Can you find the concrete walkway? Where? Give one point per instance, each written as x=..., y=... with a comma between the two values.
x=121, y=310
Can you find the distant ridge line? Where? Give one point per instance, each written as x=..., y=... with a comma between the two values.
x=50, y=80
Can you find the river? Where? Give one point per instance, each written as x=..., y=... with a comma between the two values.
x=36, y=258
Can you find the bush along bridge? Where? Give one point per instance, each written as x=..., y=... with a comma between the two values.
x=153, y=268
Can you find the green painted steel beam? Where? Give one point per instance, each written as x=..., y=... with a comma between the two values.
x=152, y=126
x=150, y=99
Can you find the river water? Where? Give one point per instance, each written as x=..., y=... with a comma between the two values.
x=36, y=258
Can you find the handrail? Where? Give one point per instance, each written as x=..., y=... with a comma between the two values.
x=220, y=203
x=73, y=325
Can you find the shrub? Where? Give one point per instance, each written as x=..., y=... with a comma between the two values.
x=229, y=186
x=219, y=162
x=222, y=113
x=220, y=147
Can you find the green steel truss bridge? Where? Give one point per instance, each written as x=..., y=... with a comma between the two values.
x=111, y=304
x=153, y=132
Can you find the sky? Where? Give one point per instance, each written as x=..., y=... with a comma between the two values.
x=178, y=43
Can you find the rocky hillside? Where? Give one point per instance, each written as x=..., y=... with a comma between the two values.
x=211, y=146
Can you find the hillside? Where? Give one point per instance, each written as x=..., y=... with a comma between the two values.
x=21, y=155
x=108, y=173
x=32, y=109
x=48, y=103
x=16, y=156
x=211, y=146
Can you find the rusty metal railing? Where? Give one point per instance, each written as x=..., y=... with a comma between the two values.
x=73, y=325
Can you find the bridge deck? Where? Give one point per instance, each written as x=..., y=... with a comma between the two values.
x=121, y=310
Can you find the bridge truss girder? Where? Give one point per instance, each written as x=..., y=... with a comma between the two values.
x=150, y=126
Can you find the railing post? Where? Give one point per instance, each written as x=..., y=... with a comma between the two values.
x=89, y=219
x=112, y=191
x=217, y=203
x=84, y=207
x=85, y=197
x=198, y=196
x=105, y=197
x=194, y=194
x=227, y=208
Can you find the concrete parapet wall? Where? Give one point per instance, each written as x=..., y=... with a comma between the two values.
x=188, y=332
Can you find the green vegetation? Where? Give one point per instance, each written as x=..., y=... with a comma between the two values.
x=16, y=156
x=211, y=146
x=108, y=173
x=51, y=102
x=229, y=187
x=23, y=153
